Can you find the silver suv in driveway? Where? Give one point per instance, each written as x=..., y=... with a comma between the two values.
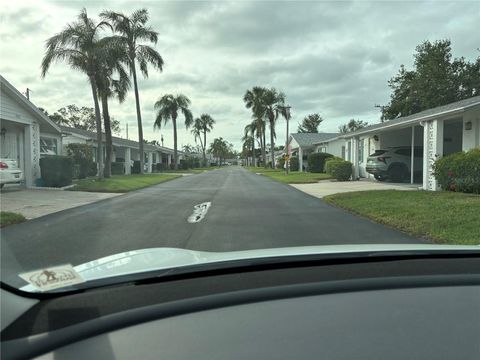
x=394, y=163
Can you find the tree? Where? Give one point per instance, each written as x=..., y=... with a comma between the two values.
x=187, y=148
x=221, y=149
x=202, y=125
x=254, y=100
x=109, y=87
x=167, y=108
x=352, y=125
x=250, y=132
x=132, y=30
x=79, y=118
x=79, y=46
x=436, y=80
x=310, y=123
x=274, y=102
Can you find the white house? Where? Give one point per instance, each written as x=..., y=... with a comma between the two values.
x=26, y=133
x=124, y=150
x=302, y=144
x=334, y=146
x=438, y=132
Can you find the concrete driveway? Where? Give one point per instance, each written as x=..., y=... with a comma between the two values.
x=329, y=187
x=39, y=202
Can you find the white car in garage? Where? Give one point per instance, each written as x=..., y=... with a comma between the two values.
x=394, y=163
x=10, y=172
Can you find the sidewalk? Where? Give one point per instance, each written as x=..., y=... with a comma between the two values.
x=35, y=203
x=329, y=187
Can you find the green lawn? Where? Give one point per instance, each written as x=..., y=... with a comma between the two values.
x=294, y=177
x=10, y=218
x=442, y=217
x=121, y=183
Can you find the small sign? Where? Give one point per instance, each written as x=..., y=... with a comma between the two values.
x=53, y=278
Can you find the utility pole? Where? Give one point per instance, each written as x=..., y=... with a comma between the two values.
x=286, y=150
x=127, y=130
x=161, y=138
x=27, y=93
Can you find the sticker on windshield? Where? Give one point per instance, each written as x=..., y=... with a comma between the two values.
x=52, y=278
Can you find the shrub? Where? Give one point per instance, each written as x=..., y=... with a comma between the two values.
x=92, y=169
x=160, y=166
x=56, y=170
x=82, y=155
x=316, y=161
x=136, y=167
x=293, y=163
x=327, y=162
x=459, y=171
x=280, y=163
x=340, y=169
x=117, y=168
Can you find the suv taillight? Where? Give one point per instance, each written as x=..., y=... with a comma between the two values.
x=3, y=165
x=383, y=159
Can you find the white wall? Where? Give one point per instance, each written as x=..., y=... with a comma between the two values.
x=471, y=138
x=333, y=147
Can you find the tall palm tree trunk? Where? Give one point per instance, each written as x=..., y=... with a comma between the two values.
x=253, y=151
x=272, y=145
x=264, y=148
x=139, y=117
x=175, y=156
x=204, y=148
x=108, y=137
x=98, y=122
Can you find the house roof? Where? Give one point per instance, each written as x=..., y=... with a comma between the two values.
x=28, y=104
x=445, y=110
x=309, y=139
x=117, y=141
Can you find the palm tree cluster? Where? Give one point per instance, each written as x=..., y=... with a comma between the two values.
x=108, y=59
x=221, y=149
x=267, y=106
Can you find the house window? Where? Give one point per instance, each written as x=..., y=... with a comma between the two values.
x=48, y=146
x=360, y=150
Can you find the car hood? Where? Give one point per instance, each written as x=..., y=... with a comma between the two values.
x=154, y=259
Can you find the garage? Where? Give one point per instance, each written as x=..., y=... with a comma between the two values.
x=389, y=151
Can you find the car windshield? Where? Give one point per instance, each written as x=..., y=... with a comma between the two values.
x=144, y=137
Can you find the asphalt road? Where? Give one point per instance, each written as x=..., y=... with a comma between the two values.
x=247, y=211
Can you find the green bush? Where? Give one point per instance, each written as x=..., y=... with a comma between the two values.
x=92, y=169
x=293, y=163
x=316, y=161
x=160, y=166
x=56, y=170
x=459, y=172
x=340, y=169
x=117, y=168
x=82, y=155
x=280, y=163
x=331, y=159
x=136, y=167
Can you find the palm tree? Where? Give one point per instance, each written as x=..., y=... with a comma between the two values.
x=273, y=102
x=202, y=125
x=109, y=87
x=254, y=100
x=133, y=29
x=79, y=46
x=167, y=108
x=250, y=132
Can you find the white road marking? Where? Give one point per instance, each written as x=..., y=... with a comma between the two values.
x=199, y=212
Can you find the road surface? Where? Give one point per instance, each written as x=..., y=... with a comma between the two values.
x=247, y=211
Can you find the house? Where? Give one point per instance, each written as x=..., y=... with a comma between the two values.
x=124, y=150
x=334, y=145
x=26, y=133
x=437, y=132
x=302, y=144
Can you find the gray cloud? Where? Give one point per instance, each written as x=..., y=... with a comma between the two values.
x=334, y=58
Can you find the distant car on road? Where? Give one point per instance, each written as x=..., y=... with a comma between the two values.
x=9, y=172
x=394, y=163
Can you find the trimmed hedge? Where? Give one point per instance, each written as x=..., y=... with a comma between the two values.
x=293, y=163
x=334, y=158
x=340, y=169
x=92, y=169
x=56, y=170
x=136, y=167
x=117, y=168
x=82, y=156
x=316, y=161
x=160, y=166
x=459, y=172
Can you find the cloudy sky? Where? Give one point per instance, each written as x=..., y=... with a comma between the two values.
x=334, y=58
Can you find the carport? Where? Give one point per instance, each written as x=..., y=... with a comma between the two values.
x=423, y=137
